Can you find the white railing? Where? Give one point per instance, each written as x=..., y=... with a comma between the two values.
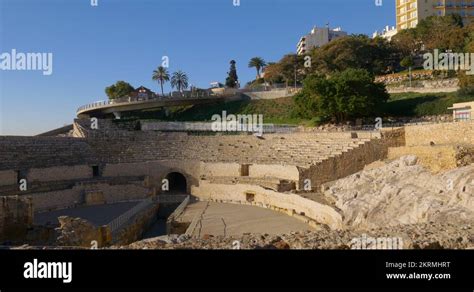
x=123, y=219
x=94, y=105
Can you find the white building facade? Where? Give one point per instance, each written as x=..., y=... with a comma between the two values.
x=318, y=37
x=387, y=33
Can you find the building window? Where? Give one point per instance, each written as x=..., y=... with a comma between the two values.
x=462, y=115
x=244, y=170
x=249, y=197
x=95, y=171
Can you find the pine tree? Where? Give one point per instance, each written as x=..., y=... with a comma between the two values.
x=232, y=79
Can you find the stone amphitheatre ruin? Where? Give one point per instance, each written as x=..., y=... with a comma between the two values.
x=341, y=184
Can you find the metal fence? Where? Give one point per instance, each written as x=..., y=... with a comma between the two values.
x=170, y=199
x=262, y=87
x=207, y=127
x=123, y=219
x=178, y=211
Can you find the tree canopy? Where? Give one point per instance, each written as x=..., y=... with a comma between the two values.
x=161, y=75
x=232, y=78
x=344, y=95
x=356, y=51
x=466, y=81
x=119, y=89
x=179, y=80
x=284, y=70
x=257, y=63
x=434, y=32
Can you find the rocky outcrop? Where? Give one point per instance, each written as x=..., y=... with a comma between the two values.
x=429, y=235
x=77, y=232
x=464, y=155
x=402, y=192
x=417, y=236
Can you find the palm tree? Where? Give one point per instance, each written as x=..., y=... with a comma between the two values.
x=179, y=80
x=161, y=75
x=258, y=63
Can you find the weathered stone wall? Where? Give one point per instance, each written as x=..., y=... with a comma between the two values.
x=343, y=165
x=95, y=197
x=339, y=166
x=270, y=183
x=289, y=172
x=443, y=133
x=82, y=127
x=8, y=177
x=401, y=84
x=157, y=170
x=436, y=158
x=220, y=169
x=194, y=170
x=395, y=137
x=68, y=198
x=59, y=173
x=48, y=174
x=62, y=199
x=20, y=153
x=273, y=94
x=121, y=193
x=16, y=216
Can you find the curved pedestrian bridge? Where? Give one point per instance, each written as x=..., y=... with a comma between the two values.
x=117, y=106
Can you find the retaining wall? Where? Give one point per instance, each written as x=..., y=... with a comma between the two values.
x=69, y=198
x=294, y=204
x=443, y=133
x=58, y=173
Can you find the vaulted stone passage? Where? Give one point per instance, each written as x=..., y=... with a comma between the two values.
x=177, y=182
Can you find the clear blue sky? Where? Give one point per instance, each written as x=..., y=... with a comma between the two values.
x=94, y=47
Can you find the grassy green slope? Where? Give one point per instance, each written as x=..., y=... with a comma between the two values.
x=277, y=111
x=280, y=111
x=422, y=104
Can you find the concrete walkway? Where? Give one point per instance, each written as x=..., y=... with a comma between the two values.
x=231, y=219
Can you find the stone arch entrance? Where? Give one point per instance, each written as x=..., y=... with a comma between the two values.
x=177, y=182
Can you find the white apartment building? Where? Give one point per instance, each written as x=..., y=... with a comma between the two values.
x=410, y=12
x=318, y=37
x=387, y=33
